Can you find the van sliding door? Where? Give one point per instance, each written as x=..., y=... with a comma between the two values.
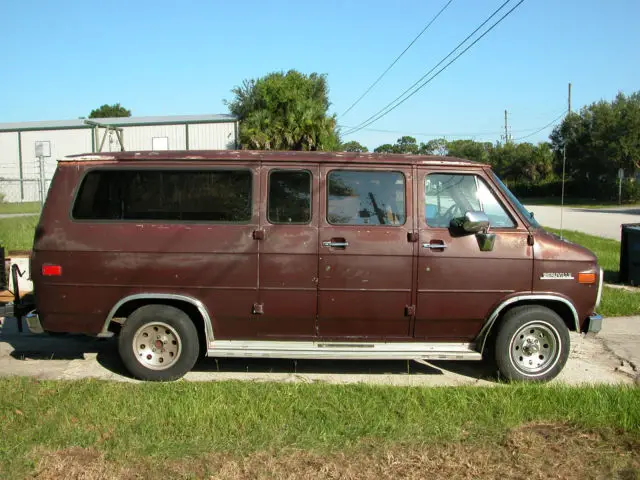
x=366, y=252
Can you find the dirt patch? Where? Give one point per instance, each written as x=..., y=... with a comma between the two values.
x=533, y=451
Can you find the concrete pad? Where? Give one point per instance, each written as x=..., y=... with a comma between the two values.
x=621, y=336
x=76, y=357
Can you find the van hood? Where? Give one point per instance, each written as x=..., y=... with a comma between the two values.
x=551, y=247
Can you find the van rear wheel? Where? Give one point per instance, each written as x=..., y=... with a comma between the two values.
x=532, y=344
x=158, y=343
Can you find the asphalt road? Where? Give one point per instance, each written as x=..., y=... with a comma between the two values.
x=603, y=222
x=600, y=359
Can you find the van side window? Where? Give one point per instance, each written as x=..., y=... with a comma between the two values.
x=366, y=198
x=451, y=196
x=174, y=195
x=289, y=200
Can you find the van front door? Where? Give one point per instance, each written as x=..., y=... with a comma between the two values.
x=288, y=265
x=459, y=283
x=366, y=256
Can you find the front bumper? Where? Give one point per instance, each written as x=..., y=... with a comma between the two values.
x=594, y=323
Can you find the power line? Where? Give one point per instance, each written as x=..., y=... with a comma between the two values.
x=464, y=134
x=542, y=128
x=446, y=134
x=423, y=134
x=397, y=58
x=432, y=69
x=387, y=109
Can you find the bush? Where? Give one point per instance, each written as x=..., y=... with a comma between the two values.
x=546, y=188
x=606, y=191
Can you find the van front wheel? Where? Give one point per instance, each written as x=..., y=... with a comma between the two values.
x=532, y=344
x=158, y=343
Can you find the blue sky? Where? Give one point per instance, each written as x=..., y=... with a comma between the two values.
x=61, y=59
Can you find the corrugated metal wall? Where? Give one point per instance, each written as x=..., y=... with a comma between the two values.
x=212, y=136
x=206, y=136
x=140, y=138
x=62, y=142
x=9, y=166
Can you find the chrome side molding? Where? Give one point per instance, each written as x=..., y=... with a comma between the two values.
x=208, y=326
x=348, y=350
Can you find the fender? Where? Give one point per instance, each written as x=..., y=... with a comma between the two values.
x=208, y=328
x=486, y=328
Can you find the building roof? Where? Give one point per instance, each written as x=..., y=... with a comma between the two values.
x=116, y=122
x=270, y=155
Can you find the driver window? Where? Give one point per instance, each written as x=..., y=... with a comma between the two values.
x=451, y=196
x=448, y=197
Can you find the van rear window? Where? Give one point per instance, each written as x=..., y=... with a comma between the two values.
x=174, y=195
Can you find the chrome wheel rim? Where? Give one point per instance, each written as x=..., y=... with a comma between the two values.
x=535, y=348
x=157, y=346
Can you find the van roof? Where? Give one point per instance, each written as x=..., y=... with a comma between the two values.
x=261, y=155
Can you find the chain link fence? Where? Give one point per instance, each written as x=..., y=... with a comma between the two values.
x=22, y=190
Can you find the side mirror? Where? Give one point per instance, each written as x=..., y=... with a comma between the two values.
x=475, y=222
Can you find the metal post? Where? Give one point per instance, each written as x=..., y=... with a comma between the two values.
x=106, y=132
x=564, y=162
x=20, y=167
x=620, y=179
x=41, y=179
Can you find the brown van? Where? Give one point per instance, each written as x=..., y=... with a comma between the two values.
x=305, y=255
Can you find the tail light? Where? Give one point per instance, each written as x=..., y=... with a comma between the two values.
x=51, y=270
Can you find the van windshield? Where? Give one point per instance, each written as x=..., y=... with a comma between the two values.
x=516, y=203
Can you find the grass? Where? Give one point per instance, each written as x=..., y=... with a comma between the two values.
x=127, y=423
x=575, y=202
x=607, y=250
x=17, y=233
x=615, y=301
x=25, y=207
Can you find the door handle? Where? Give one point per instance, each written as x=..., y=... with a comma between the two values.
x=434, y=245
x=335, y=244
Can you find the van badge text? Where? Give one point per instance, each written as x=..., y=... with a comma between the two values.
x=556, y=276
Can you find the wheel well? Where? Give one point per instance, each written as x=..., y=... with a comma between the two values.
x=562, y=309
x=123, y=312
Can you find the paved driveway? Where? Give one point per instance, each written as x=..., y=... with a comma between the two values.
x=75, y=357
x=603, y=222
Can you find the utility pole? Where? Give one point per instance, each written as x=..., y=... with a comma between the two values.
x=564, y=162
x=506, y=128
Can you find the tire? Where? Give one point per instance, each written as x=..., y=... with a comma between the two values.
x=532, y=344
x=174, y=351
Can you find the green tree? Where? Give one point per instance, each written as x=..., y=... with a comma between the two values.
x=469, y=149
x=404, y=144
x=437, y=146
x=354, y=146
x=385, y=148
x=600, y=139
x=110, y=111
x=285, y=112
x=522, y=162
x=407, y=144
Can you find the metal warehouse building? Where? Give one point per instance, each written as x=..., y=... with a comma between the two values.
x=29, y=150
